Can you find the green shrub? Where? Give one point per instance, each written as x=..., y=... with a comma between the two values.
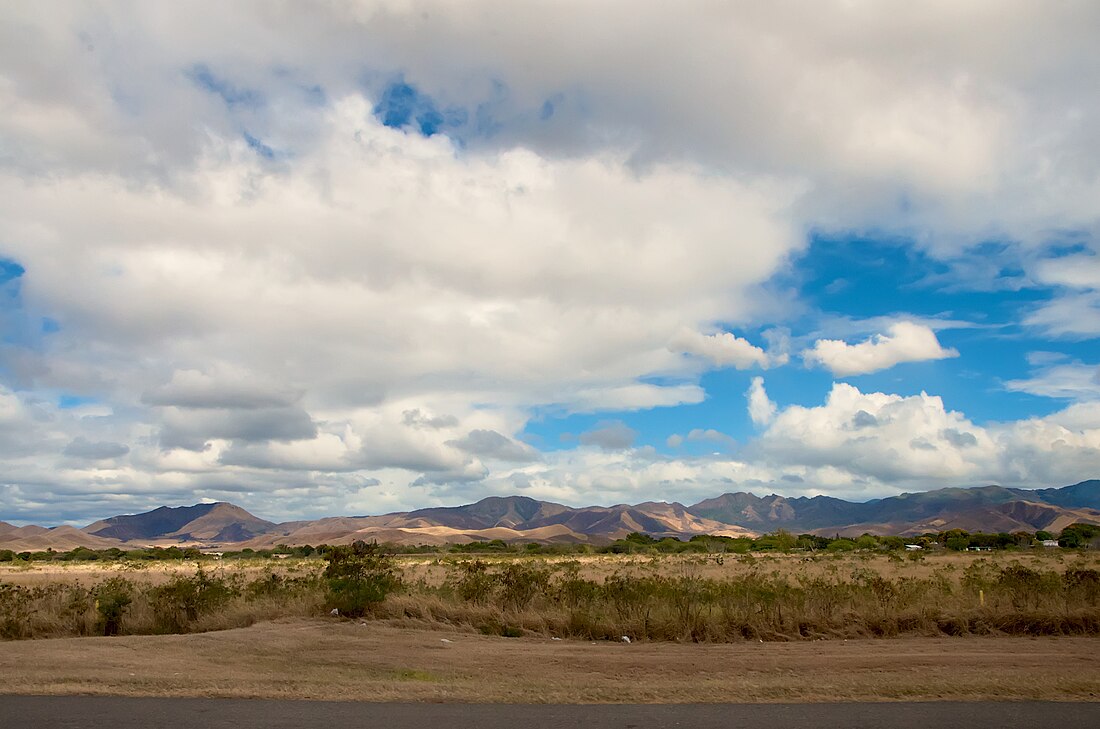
x=182, y=600
x=520, y=583
x=359, y=577
x=474, y=582
x=112, y=598
x=15, y=612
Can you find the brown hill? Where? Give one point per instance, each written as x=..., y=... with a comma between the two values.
x=519, y=518
x=503, y=511
x=219, y=521
x=1007, y=517
x=658, y=519
x=224, y=522
x=512, y=518
x=59, y=539
x=427, y=535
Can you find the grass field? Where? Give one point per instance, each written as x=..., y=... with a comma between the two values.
x=783, y=627
x=676, y=598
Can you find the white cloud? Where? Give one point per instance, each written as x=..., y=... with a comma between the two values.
x=701, y=435
x=1074, y=311
x=1071, y=381
x=1074, y=315
x=1076, y=271
x=351, y=310
x=614, y=435
x=761, y=408
x=722, y=349
x=916, y=442
x=904, y=342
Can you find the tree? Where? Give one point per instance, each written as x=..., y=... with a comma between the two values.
x=1078, y=535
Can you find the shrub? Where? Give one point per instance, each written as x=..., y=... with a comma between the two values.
x=182, y=600
x=359, y=577
x=520, y=583
x=474, y=582
x=112, y=598
x=15, y=612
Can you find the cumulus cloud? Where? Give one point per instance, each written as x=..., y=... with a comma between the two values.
x=701, y=435
x=722, y=349
x=882, y=438
x=262, y=289
x=224, y=389
x=904, y=342
x=416, y=419
x=761, y=408
x=612, y=435
x=491, y=444
x=887, y=437
x=81, y=447
x=192, y=429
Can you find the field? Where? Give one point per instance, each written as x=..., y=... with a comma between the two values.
x=777, y=627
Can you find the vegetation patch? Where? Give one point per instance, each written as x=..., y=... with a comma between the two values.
x=710, y=598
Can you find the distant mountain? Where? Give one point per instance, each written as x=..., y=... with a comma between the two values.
x=1080, y=495
x=60, y=539
x=510, y=518
x=495, y=511
x=519, y=518
x=659, y=519
x=906, y=513
x=219, y=522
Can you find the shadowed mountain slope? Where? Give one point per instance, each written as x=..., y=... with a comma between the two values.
x=217, y=522
x=905, y=513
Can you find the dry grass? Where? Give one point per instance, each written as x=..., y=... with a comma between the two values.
x=668, y=598
x=342, y=660
x=433, y=570
x=88, y=574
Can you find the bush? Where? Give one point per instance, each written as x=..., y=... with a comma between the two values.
x=182, y=600
x=474, y=582
x=520, y=583
x=112, y=598
x=15, y=612
x=359, y=577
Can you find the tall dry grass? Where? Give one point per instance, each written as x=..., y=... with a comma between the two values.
x=664, y=600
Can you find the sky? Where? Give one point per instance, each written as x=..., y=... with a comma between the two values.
x=360, y=257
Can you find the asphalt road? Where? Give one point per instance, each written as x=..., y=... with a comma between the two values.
x=66, y=712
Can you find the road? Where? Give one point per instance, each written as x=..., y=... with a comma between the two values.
x=73, y=712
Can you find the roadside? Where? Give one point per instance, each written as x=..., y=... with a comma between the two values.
x=346, y=660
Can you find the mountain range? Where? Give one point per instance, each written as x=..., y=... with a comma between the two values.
x=519, y=518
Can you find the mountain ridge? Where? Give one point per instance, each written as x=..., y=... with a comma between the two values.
x=520, y=518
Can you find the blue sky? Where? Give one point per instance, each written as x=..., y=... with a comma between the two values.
x=340, y=260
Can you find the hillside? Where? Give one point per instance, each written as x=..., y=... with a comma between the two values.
x=202, y=522
x=520, y=518
x=985, y=508
x=59, y=539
